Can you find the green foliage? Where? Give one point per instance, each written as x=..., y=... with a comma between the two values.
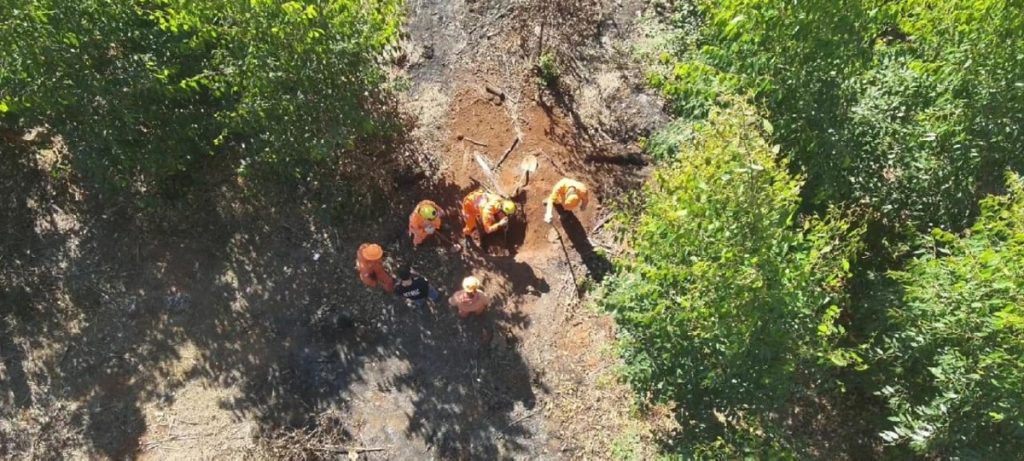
x=729, y=306
x=740, y=445
x=910, y=107
x=547, y=69
x=143, y=91
x=956, y=375
x=627, y=447
x=904, y=112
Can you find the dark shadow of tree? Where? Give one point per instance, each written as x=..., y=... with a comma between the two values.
x=263, y=288
x=28, y=238
x=467, y=376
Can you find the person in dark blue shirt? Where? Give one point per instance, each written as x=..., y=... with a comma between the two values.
x=414, y=288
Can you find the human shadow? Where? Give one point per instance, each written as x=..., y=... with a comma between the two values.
x=132, y=292
x=598, y=265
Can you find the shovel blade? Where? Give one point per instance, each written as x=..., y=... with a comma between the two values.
x=526, y=167
x=529, y=164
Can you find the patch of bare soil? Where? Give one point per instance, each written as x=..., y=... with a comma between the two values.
x=584, y=127
x=237, y=328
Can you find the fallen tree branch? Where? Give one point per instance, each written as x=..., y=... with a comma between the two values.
x=517, y=421
x=492, y=90
x=515, y=143
x=602, y=222
x=471, y=140
x=521, y=419
x=155, y=444
x=340, y=449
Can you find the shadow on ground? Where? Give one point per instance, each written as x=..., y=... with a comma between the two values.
x=100, y=301
x=597, y=264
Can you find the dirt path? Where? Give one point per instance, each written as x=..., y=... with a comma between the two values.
x=235, y=331
x=544, y=387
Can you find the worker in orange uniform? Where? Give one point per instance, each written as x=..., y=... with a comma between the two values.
x=470, y=300
x=424, y=221
x=570, y=194
x=370, y=264
x=492, y=210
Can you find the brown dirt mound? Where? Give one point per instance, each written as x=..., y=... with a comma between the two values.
x=541, y=132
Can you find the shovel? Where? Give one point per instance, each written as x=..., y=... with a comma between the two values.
x=526, y=167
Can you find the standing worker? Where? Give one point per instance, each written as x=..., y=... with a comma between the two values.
x=491, y=209
x=370, y=264
x=569, y=194
x=470, y=300
x=424, y=221
x=415, y=289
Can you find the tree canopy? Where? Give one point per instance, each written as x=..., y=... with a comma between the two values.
x=143, y=91
x=743, y=293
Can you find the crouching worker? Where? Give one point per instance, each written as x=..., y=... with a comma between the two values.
x=470, y=300
x=492, y=210
x=569, y=194
x=370, y=264
x=424, y=221
x=415, y=289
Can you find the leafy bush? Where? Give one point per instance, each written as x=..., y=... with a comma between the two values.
x=547, y=69
x=911, y=107
x=911, y=154
x=143, y=91
x=955, y=359
x=728, y=305
x=906, y=113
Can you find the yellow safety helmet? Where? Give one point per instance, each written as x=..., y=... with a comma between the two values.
x=471, y=284
x=508, y=207
x=428, y=212
x=572, y=200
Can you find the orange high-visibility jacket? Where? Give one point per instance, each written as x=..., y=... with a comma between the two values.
x=561, y=189
x=485, y=206
x=372, y=273
x=418, y=224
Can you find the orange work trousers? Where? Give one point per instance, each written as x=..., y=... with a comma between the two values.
x=372, y=274
x=479, y=205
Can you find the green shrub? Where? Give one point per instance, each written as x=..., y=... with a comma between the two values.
x=912, y=108
x=547, y=69
x=955, y=369
x=143, y=91
x=911, y=155
x=728, y=304
x=904, y=112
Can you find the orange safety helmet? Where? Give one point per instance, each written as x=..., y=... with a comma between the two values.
x=372, y=252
